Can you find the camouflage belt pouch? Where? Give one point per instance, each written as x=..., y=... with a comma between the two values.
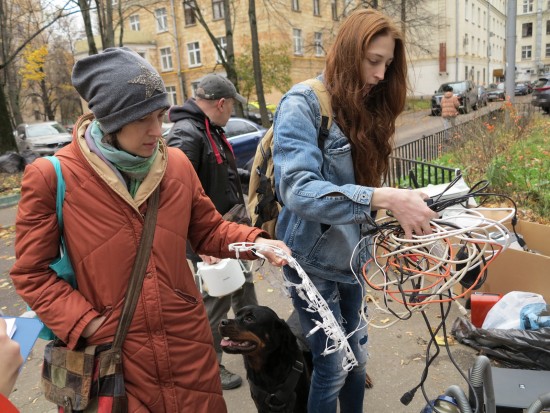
x=89, y=380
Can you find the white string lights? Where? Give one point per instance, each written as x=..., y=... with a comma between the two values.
x=336, y=340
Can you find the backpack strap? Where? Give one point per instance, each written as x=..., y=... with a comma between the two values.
x=60, y=190
x=323, y=96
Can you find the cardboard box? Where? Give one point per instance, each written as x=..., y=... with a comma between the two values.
x=518, y=270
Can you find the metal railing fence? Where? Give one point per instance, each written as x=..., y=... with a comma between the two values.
x=415, y=156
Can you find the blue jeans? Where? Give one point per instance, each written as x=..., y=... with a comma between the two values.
x=329, y=381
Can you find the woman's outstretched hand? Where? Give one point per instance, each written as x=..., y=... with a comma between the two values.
x=408, y=207
x=271, y=256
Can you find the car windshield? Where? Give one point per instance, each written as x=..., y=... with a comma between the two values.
x=541, y=82
x=34, y=131
x=457, y=87
x=500, y=86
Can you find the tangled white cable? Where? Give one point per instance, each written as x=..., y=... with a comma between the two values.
x=336, y=340
x=423, y=270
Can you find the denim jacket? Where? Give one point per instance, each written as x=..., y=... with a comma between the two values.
x=325, y=212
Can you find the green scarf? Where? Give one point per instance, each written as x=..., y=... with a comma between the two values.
x=135, y=167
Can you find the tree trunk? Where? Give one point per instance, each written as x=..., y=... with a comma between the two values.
x=109, y=29
x=85, y=10
x=256, y=62
x=48, y=112
x=7, y=140
x=13, y=86
x=229, y=61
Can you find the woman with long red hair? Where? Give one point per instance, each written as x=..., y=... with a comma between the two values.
x=332, y=189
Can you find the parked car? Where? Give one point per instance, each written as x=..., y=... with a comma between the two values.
x=541, y=94
x=253, y=113
x=482, y=97
x=466, y=91
x=44, y=138
x=242, y=134
x=521, y=89
x=496, y=92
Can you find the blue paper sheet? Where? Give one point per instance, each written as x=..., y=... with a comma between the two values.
x=26, y=333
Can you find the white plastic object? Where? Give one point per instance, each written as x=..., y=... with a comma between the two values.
x=222, y=278
x=505, y=314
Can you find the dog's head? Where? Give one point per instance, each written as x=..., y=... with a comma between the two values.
x=255, y=329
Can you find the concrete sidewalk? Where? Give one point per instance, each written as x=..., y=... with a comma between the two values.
x=397, y=353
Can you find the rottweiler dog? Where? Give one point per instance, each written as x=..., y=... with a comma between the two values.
x=276, y=357
x=277, y=367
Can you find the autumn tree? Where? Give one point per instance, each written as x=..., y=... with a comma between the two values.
x=21, y=22
x=275, y=65
x=226, y=54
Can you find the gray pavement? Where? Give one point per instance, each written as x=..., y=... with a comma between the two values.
x=397, y=353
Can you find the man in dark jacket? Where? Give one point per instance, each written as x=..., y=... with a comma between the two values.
x=198, y=132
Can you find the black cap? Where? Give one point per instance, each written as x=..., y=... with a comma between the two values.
x=214, y=87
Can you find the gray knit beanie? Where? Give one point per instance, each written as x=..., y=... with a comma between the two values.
x=120, y=87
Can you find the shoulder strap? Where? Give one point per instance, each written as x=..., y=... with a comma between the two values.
x=326, y=109
x=60, y=190
x=138, y=270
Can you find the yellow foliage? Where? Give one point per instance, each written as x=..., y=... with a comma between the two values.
x=33, y=68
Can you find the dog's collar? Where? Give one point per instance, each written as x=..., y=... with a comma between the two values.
x=278, y=402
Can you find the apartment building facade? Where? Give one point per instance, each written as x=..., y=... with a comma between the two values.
x=467, y=41
x=169, y=35
x=533, y=39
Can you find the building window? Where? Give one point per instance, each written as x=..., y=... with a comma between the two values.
x=334, y=9
x=547, y=26
x=525, y=52
x=316, y=8
x=162, y=19
x=466, y=72
x=194, y=54
x=527, y=30
x=134, y=22
x=172, y=95
x=298, y=42
x=166, y=59
x=217, y=9
x=222, y=41
x=466, y=10
x=295, y=5
x=318, y=41
x=189, y=11
x=528, y=6
x=547, y=54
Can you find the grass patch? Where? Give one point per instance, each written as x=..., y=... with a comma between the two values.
x=512, y=152
x=417, y=104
